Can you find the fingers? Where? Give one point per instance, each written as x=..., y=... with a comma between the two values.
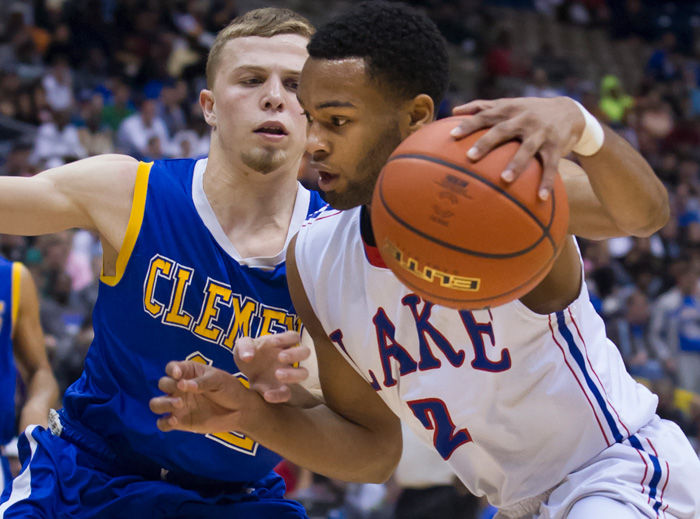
x=210, y=381
x=173, y=369
x=165, y=404
x=247, y=347
x=279, y=340
x=167, y=385
x=278, y=395
x=186, y=369
x=167, y=423
x=484, y=114
x=550, y=169
x=528, y=149
x=291, y=375
x=493, y=138
x=473, y=107
x=294, y=355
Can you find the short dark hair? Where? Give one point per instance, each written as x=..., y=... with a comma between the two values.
x=401, y=46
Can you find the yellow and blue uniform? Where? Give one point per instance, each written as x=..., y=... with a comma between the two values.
x=9, y=304
x=179, y=292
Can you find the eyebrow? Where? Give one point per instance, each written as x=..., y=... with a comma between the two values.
x=255, y=68
x=335, y=104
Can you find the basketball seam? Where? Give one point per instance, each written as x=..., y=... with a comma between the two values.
x=545, y=228
x=488, y=255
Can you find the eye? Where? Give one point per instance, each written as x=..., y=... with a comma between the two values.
x=338, y=121
x=251, y=81
x=292, y=85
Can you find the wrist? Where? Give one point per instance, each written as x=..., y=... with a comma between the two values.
x=253, y=414
x=591, y=140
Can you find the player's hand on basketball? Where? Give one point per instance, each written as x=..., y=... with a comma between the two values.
x=548, y=128
x=270, y=363
x=199, y=398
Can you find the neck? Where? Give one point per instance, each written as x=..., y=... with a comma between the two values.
x=253, y=209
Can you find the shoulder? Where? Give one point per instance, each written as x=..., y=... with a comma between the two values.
x=111, y=167
x=323, y=221
x=324, y=233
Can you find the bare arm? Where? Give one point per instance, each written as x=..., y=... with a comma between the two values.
x=28, y=339
x=355, y=437
x=627, y=187
x=93, y=193
x=616, y=193
x=622, y=183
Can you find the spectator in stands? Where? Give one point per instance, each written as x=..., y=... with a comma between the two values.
x=667, y=408
x=615, y=104
x=540, y=86
x=95, y=136
x=655, y=115
x=136, y=130
x=172, y=97
x=57, y=141
x=661, y=65
x=17, y=162
x=58, y=84
x=630, y=332
x=119, y=106
x=499, y=59
x=672, y=325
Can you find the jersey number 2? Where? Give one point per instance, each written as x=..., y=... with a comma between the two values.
x=433, y=414
x=232, y=440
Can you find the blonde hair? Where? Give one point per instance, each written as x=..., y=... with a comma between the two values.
x=265, y=22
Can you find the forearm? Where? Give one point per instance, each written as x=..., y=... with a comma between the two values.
x=42, y=395
x=326, y=443
x=627, y=187
x=302, y=397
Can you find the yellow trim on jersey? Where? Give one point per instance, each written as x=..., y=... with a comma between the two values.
x=134, y=226
x=16, y=282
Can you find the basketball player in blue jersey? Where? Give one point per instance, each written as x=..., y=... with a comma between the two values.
x=528, y=401
x=21, y=338
x=193, y=258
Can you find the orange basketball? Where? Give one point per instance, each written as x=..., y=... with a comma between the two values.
x=453, y=232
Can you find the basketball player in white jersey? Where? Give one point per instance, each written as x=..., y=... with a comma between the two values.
x=529, y=402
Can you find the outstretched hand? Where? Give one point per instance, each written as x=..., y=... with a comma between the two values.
x=271, y=364
x=199, y=398
x=548, y=128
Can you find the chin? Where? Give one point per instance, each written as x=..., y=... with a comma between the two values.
x=265, y=160
x=341, y=201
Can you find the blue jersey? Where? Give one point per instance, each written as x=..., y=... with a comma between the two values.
x=181, y=291
x=9, y=302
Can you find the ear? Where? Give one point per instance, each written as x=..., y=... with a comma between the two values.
x=420, y=111
x=206, y=101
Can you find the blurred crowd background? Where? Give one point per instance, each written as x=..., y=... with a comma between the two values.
x=84, y=77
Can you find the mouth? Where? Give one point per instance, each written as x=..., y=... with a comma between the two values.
x=326, y=179
x=274, y=129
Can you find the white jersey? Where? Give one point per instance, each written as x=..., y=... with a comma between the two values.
x=512, y=400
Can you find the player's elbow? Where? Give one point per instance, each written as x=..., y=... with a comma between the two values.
x=656, y=218
x=384, y=462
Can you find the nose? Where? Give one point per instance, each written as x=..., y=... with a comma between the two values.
x=316, y=144
x=273, y=95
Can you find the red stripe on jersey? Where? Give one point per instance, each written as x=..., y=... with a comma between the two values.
x=646, y=470
x=585, y=349
x=579, y=383
x=668, y=476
